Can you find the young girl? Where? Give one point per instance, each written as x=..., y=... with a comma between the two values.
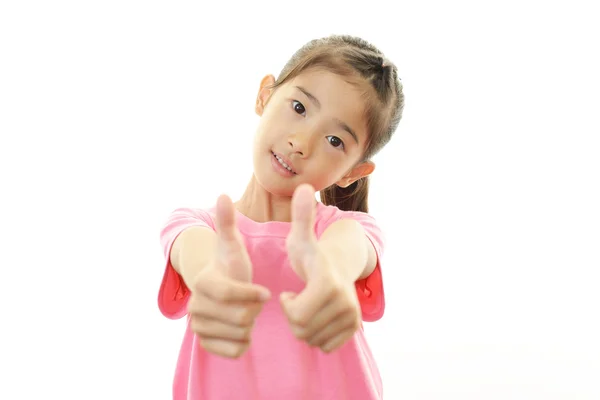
x=275, y=286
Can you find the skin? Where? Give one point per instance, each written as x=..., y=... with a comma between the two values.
x=291, y=124
x=326, y=314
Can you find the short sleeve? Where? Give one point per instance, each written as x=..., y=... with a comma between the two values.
x=173, y=293
x=370, y=289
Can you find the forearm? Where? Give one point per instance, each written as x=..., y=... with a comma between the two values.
x=346, y=243
x=191, y=251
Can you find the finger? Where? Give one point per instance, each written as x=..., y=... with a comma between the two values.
x=220, y=288
x=304, y=306
x=338, y=341
x=233, y=314
x=285, y=296
x=285, y=299
x=324, y=317
x=344, y=322
x=225, y=221
x=214, y=329
x=225, y=348
x=231, y=250
x=303, y=213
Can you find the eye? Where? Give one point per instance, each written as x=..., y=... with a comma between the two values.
x=298, y=107
x=335, y=142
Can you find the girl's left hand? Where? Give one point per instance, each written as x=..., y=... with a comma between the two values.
x=327, y=312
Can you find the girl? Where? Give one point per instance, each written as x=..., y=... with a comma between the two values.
x=275, y=285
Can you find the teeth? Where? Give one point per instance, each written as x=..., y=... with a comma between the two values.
x=282, y=163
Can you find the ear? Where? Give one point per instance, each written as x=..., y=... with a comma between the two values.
x=360, y=170
x=263, y=94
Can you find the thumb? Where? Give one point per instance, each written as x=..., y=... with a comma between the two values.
x=231, y=251
x=285, y=297
x=303, y=213
x=286, y=300
x=225, y=221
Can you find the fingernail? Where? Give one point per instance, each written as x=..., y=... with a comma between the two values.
x=265, y=295
x=285, y=296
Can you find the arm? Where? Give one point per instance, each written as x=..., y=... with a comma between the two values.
x=329, y=309
x=346, y=241
x=192, y=250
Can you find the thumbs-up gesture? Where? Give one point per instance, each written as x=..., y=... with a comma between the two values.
x=224, y=303
x=327, y=312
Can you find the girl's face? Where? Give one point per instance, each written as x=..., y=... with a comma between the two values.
x=312, y=130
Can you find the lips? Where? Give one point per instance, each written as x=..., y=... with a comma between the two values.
x=285, y=161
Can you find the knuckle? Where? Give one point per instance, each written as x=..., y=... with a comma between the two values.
x=248, y=332
x=198, y=326
x=204, y=279
x=244, y=317
x=301, y=332
x=349, y=309
x=298, y=319
x=350, y=314
x=194, y=305
x=199, y=308
x=199, y=278
x=205, y=344
x=236, y=351
x=223, y=293
x=225, y=349
x=299, y=322
x=191, y=307
x=198, y=286
x=335, y=290
x=243, y=333
x=209, y=345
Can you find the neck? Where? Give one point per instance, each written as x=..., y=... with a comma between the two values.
x=262, y=206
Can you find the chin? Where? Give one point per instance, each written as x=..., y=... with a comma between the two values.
x=271, y=183
x=276, y=189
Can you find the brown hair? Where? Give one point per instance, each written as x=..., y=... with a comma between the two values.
x=351, y=57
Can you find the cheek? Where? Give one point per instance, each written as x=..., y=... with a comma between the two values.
x=264, y=129
x=334, y=156
x=339, y=166
x=270, y=123
x=329, y=173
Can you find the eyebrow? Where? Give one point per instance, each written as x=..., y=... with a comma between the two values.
x=317, y=103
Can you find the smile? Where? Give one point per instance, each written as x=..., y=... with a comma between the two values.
x=283, y=164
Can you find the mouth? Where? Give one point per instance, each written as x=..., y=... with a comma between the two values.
x=284, y=164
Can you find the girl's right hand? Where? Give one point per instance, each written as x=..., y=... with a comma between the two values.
x=224, y=302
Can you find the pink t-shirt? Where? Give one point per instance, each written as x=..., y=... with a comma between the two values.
x=277, y=366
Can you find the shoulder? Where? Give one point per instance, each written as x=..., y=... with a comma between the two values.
x=326, y=215
x=188, y=215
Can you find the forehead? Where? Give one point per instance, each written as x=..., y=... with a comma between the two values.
x=340, y=97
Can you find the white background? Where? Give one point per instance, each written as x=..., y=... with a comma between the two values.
x=114, y=113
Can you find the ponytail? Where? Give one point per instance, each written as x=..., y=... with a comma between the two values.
x=352, y=198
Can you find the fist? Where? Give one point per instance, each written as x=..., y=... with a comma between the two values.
x=326, y=314
x=224, y=303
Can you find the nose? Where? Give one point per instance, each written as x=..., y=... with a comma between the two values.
x=300, y=143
